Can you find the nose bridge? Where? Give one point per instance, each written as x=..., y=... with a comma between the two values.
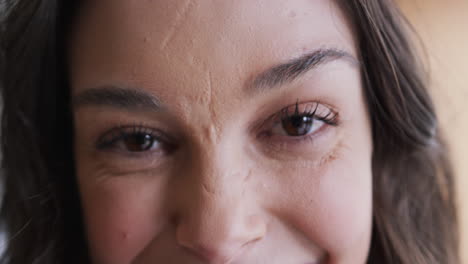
x=219, y=166
x=219, y=171
x=216, y=221
x=217, y=188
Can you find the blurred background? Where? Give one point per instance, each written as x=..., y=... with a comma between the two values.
x=443, y=27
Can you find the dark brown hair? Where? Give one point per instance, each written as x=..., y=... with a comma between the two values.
x=413, y=186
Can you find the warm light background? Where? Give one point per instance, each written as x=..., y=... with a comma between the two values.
x=443, y=27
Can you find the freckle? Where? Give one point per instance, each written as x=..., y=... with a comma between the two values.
x=124, y=235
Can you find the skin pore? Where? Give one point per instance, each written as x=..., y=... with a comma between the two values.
x=220, y=132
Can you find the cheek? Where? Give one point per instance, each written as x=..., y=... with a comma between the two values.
x=345, y=218
x=333, y=207
x=121, y=216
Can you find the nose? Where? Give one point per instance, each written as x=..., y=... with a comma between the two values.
x=217, y=220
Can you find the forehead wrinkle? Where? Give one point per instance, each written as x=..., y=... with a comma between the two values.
x=179, y=18
x=212, y=127
x=228, y=60
x=211, y=106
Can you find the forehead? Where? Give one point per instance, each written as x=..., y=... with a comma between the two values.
x=142, y=41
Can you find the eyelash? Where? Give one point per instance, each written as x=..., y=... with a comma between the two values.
x=331, y=118
x=110, y=139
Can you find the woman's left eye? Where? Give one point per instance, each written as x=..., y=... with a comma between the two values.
x=302, y=120
x=297, y=126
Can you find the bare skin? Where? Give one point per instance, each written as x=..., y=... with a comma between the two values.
x=221, y=132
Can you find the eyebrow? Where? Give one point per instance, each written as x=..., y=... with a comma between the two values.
x=117, y=97
x=132, y=99
x=295, y=68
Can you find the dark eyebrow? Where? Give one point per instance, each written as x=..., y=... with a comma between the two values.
x=117, y=97
x=293, y=69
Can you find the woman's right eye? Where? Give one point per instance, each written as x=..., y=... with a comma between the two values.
x=138, y=143
x=135, y=139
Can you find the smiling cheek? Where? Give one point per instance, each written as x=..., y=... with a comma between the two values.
x=345, y=213
x=122, y=216
x=333, y=205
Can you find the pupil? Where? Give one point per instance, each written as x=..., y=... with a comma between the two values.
x=297, y=125
x=141, y=142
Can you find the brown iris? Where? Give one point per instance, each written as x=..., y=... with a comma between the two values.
x=297, y=125
x=138, y=142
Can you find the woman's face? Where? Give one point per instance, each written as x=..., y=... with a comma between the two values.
x=220, y=132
